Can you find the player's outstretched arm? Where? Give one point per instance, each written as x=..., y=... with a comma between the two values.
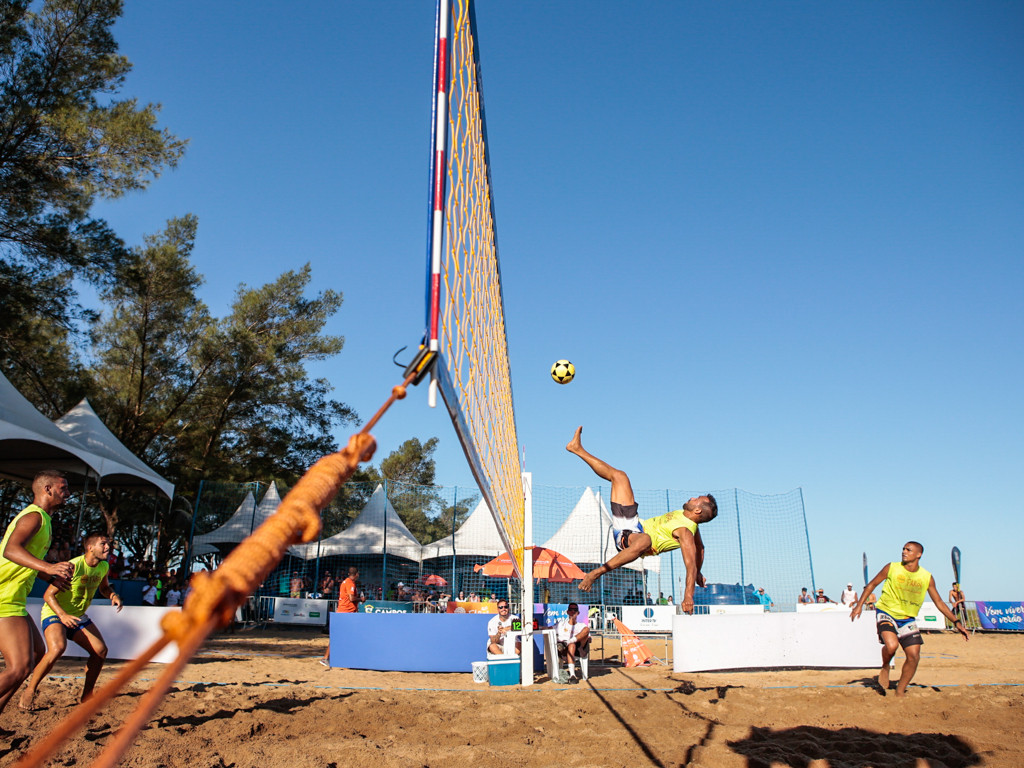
x=933, y=593
x=688, y=549
x=859, y=605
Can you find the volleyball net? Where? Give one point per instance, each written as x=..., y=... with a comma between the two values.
x=465, y=308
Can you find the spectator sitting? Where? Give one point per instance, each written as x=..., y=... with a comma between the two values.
x=573, y=640
x=462, y=596
x=474, y=597
x=498, y=627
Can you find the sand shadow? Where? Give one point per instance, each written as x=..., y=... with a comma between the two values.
x=852, y=748
x=284, y=705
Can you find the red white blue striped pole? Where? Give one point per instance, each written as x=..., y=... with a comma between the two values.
x=440, y=144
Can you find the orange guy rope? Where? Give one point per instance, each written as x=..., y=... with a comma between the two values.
x=215, y=596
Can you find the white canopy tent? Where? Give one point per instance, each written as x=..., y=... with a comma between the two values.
x=119, y=467
x=377, y=530
x=478, y=535
x=243, y=521
x=30, y=442
x=586, y=534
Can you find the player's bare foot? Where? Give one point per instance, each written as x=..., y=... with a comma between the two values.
x=575, y=446
x=883, y=678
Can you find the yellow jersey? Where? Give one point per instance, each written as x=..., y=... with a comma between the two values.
x=904, y=591
x=84, y=583
x=660, y=530
x=16, y=580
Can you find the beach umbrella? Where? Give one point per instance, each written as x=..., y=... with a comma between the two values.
x=433, y=580
x=547, y=564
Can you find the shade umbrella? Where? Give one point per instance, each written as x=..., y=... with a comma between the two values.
x=433, y=580
x=547, y=564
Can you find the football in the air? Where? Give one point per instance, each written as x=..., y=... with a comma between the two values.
x=563, y=371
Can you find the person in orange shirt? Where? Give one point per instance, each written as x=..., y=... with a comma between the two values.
x=348, y=602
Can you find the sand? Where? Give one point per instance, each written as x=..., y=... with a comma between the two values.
x=260, y=698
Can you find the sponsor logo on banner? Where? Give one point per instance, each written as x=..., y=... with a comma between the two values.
x=651, y=618
x=385, y=606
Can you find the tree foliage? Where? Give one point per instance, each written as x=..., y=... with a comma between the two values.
x=65, y=140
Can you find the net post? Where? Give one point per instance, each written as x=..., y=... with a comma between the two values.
x=526, y=607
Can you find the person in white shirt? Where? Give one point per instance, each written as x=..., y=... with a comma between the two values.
x=573, y=638
x=174, y=595
x=149, y=592
x=500, y=626
x=849, y=596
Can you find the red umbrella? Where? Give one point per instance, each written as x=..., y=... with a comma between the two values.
x=433, y=580
x=547, y=564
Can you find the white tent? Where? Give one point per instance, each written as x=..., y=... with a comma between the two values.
x=30, y=442
x=246, y=519
x=586, y=535
x=478, y=535
x=120, y=468
x=376, y=525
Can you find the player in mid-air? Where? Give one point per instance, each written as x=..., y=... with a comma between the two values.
x=635, y=538
x=906, y=584
x=64, y=616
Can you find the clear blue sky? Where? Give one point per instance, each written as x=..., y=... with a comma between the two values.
x=783, y=243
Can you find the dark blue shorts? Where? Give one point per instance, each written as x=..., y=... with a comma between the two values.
x=83, y=621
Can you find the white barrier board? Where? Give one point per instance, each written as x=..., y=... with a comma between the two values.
x=718, y=610
x=127, y=634
x=702, y=643
x=294, y=610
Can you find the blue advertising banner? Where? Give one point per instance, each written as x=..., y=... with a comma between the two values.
x=385, y=606
x=1001, y=615
x=548, y=615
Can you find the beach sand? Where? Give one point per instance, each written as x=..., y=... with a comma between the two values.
x=259, y=698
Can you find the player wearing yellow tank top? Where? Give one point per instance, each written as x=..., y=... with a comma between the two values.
x=906, y=584
x=64, y=617
x=635, y=539
x=24, y=545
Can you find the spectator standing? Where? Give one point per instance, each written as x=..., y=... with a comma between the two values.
x=765, y=599
x=348, y=602
x=849, y=596
x=822, y=597
x=804, y=597
x=149, y=594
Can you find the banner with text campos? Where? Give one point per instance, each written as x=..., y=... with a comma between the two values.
x=1005, y=616
x=385, y=606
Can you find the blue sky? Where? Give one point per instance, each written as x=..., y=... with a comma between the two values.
x=782, y=242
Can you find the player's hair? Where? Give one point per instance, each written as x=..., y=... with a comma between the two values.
x=92, y=536
x=43, y=477
x=917, y=544
x=711, y=506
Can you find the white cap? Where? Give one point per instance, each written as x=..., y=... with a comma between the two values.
x=401, y=584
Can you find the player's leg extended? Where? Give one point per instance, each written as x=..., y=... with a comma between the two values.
x=639, y=544
x=56, y=643
x=622, y=491
x=909, y=668
x=91, y=640
x=18, y=641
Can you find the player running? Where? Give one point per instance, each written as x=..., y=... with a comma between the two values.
x=906, y=584
x=635, y=538
x=24, y=545
x=64, y=616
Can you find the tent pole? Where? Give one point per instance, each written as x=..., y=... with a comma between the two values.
x=192, y=529
x=455, y=511
x=81, y=508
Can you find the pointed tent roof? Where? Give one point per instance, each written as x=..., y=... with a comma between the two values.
x=30, y=442
x=586, y=534
x=121, y=468
x=478, y=535
x=366, y=534
x=246, y=519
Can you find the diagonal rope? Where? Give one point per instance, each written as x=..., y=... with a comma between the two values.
x=214, y=597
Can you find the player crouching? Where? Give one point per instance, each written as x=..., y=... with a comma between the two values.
x=63, y=617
